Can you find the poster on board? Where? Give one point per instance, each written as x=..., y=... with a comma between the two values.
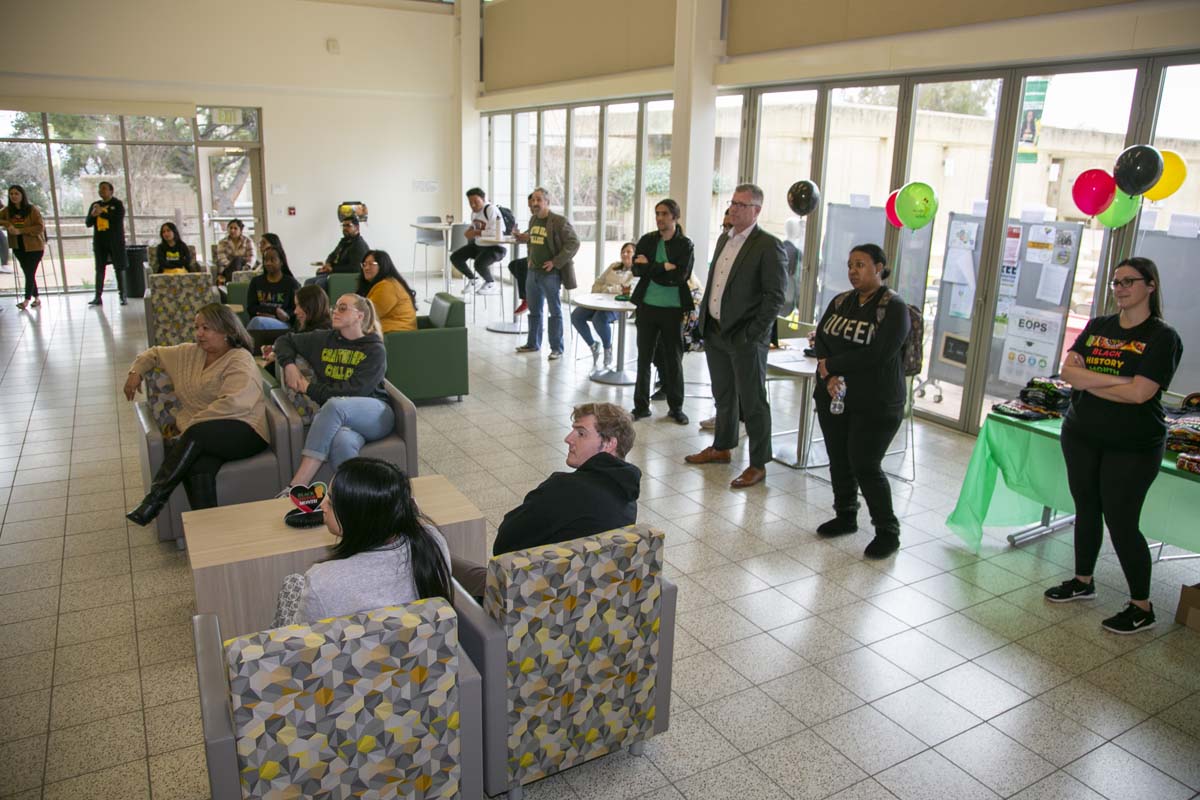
x=1023, y=359
x=1032, y=105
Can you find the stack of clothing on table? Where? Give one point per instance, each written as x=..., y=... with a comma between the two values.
x=1183, y=429
x=1042, y=398
x=1189, y=461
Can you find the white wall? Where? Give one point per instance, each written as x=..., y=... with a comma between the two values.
x=361, y=125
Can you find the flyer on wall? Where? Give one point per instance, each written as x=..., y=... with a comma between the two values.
x=1041, y=243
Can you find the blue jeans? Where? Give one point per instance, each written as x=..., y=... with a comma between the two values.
x=541, y=285
x=601, y=321
x=344, y=425
x=266, y=324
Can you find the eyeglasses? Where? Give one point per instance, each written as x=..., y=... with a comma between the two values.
x=736, y=204
x=1124, y=283
x=344, y=307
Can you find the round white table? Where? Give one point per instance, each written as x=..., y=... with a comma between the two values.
x=598, y=301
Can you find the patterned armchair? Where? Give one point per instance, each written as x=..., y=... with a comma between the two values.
x=172, y=304
x=398, y=447
x=259, y=477
x=377, y=704
x=575, y=643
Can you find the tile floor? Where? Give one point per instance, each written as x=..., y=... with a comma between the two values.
x=801, y=670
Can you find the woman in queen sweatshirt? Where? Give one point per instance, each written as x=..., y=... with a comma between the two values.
x=348, y=363
x=859, y=343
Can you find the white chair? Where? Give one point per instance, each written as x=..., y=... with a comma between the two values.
x=427, y=239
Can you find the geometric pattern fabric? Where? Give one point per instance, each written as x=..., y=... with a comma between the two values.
x=357, y=706
x=175, y=301
x=164, y=405
x=582, y=623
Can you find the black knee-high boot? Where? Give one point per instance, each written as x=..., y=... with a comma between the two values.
x=201, y=490
x=176, y=463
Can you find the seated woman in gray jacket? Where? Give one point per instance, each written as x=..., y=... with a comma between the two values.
x=387, y=553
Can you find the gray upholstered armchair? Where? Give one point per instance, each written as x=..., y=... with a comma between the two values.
x=380, y=703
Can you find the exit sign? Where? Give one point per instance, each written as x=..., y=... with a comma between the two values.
x=227, y=116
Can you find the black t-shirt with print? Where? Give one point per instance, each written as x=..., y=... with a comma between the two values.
x=264, y=297
x=1151, y=349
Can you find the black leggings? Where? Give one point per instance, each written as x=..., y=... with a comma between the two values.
x=659, y=341
x=1110, y=485
x=856, y=442
x=29, y=260
x=519, y=268
x=106, y=253
x=220, y=440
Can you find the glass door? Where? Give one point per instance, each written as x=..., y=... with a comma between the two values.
x=1049, y=258
x=228, y=180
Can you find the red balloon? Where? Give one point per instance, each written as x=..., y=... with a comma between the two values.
x=890, y=208
x=1094, y=191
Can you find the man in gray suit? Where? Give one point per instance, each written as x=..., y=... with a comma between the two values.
x=741, y=302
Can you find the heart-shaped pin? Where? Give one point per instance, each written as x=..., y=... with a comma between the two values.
x=308, y=498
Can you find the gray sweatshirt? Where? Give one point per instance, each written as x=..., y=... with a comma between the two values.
x=363, y=582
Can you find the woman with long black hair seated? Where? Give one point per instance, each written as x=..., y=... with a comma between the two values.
x=172, y=256
x=222, y=415
x=859, y=345
x=271, y=296
x=395, y=301
x=664, y=263
x=387, y=553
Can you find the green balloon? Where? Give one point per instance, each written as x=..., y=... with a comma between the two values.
x=1122, y=211
x=916, y=205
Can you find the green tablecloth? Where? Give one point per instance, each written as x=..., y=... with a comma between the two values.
x=1017, y=469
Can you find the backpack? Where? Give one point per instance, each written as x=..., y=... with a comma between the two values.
x=510, y=222
x=912, y=355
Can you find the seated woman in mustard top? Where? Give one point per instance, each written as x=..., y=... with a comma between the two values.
x=381, y=283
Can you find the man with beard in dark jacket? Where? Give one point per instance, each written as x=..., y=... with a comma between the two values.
x=601, y=494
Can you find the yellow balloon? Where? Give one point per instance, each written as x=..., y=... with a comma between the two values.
x=1173, y=176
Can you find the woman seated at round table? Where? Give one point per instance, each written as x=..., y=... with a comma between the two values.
x=222, y=416
x=387, y=552
x=172, y=256
x=348, y=364
x=615, y=280
x=271, y=297
x=395, y=302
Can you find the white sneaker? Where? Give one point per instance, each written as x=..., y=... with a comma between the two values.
x=469, y=286
x=595, y=347
x=555, y=355
x=608, y=358
x=709, y=424
x=488, y=288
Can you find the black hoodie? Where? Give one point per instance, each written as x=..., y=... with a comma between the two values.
x=341, y=367
x=599, y=496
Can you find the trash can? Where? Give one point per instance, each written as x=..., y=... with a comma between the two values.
x=136, y=256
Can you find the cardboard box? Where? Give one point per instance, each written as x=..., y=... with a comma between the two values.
x=1189, y=607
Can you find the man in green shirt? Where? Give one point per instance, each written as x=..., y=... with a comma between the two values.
x=552, y=246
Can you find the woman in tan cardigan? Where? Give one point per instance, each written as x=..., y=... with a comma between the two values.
x=25, y=228
x=223, y=415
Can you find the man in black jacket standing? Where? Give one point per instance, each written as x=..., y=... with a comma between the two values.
x=600, y=495
x=741, y=302
x=106, y=218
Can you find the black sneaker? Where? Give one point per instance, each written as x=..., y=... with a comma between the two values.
x=1131, y=620
x=1073, y=589
x=838, y=526
x=678, y=416
x=96, y=302
x=659, y=394
x=882, y=546
x=640, y=413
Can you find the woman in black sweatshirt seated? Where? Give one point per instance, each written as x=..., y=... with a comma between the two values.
x=859, y=346
x=348, y=365
x=271, y=297
x=173, y=255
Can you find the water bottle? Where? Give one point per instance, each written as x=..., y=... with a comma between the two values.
x=837, y=404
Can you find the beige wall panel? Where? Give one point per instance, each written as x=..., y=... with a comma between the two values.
x=527, y=43
x=757, y=26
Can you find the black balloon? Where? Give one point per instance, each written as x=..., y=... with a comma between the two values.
x=1138, y=168
x=804, y=197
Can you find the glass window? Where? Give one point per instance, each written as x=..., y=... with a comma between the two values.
x=585, y=165
x=96, y=128
x=620, y=157
x=501, y=160
x=20, y=125
x=1068, y=123
x=656, y=159
x=526, y=165
x=24, y=163
x=953, y=133
x=78, y=171
x=222, y=123
x=784, y=156
x=158, y=129
x=725, y=160
x=163, y=183
x=1177, y=256
x=485, y=154
x=554, y=155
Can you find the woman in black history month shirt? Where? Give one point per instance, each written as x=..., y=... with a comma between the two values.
x=1114, y=434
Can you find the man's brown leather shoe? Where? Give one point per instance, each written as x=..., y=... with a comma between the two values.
x=749, y=477
x=709, y=455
